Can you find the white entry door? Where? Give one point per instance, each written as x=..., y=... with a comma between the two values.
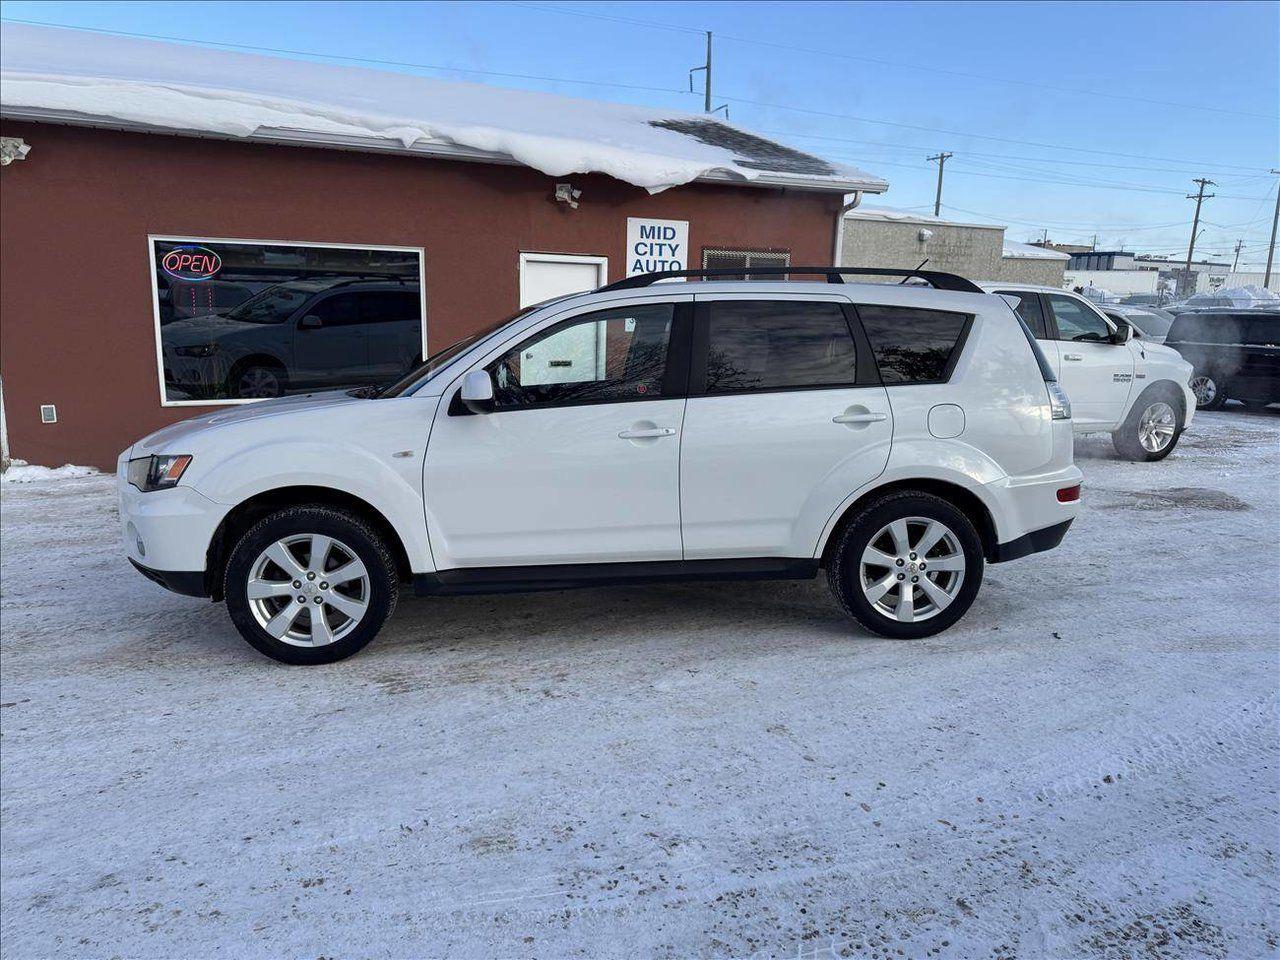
x=547, y=275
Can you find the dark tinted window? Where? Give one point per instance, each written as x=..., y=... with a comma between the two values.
x=389, y=306
x=1263, y=331
x=1216, y=328
x=912, y=345
x=610, y=355
x=1030, y=310
x=338, y=310
x=777, y=344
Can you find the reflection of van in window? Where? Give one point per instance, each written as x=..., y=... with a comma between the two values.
x=1235, y=353
x=296, y=336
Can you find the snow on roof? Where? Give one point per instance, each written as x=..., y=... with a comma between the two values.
x=907, y=216
x=1233, y=296
x=97, y=79
x=1029, y=251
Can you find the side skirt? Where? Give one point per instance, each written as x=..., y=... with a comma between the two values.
x=567, y=576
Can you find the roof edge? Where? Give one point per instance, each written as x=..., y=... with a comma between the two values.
x=436, y=150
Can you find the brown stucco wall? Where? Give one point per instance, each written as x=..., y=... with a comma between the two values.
x=76, y=325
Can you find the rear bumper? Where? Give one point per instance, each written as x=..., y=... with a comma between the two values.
x=1037, y=541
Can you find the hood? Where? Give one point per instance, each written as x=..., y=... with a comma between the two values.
x=187, y=432
x=211, y=326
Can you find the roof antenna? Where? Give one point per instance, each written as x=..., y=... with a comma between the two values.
x=919, y=266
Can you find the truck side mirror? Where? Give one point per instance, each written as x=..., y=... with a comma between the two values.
x=1124, y=332
x=477, y=391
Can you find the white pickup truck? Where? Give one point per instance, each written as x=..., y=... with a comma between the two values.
x=1136, y=390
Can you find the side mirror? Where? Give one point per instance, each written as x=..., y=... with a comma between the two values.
x=1124, y=332
x=310, y=322
x=477, y=391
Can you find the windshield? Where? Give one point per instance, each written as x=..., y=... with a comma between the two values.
x=1151, y=322
x=272, y=305
x=424, y=370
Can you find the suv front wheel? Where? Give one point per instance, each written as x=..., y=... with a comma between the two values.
x=908, y=565
x=310, y=584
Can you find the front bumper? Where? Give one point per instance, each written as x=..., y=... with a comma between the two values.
x=166, y=531
x=189, y=583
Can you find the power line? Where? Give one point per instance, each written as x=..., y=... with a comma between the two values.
x=979, y=136
x=349, y=59
x=1074, y=91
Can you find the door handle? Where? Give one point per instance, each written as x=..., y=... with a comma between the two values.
x=859, y=418
x=650, y=434
x=1072, y=356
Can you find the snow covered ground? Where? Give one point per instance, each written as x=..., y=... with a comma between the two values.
x=1087, y=766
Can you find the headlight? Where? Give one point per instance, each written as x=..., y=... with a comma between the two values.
x=199, y=350
x=1059, y=404
x=159, y=472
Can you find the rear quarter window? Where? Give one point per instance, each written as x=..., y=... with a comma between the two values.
x=912, y=345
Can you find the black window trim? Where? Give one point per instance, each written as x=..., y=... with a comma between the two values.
x=866, y=373
x=675, y=377
x=1050, y=324
x=962, y=340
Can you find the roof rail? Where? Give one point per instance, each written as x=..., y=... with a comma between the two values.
x=935, y=278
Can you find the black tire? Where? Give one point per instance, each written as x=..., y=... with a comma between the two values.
x=353, y=534
x=1215, y=392
x=844, y=562
x=257, y=380
x=1127, y=439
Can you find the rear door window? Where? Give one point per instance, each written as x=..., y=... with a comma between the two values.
x=777, y=345
x=1030, y=310
x=913, y=345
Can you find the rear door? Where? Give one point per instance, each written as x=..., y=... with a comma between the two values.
x=1096, y=373
x=786, y=417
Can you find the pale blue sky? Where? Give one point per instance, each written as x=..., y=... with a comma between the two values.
x=1145, y=95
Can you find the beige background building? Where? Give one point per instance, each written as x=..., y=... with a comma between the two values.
x=883, y=237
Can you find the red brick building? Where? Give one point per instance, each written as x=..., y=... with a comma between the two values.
x=336, y=247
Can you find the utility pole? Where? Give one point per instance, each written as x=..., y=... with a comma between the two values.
x=1236, y=262
x=1271, y=250
x=1199, y=197
x=706, y=80
x=942, y=159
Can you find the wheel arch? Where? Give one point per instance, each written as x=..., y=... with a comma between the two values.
x=248, y=512
x=1162, y=387
x=959, y=496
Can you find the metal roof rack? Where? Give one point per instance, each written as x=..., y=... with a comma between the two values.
x=935, y=278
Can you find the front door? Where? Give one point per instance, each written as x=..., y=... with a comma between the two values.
x=330, y=344
x=1096, y=373
x=582, y=466
x=786, y=418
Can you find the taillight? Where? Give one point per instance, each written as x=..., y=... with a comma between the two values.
x=1069, y=494
x=1059, y=405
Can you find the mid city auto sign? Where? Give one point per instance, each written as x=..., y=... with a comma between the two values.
x=656, y=245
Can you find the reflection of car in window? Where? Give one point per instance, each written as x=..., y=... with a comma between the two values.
x=296, y=336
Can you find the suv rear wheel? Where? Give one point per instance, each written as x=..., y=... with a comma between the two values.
x=1153, y=427
x=310, y=584
x=908, y=565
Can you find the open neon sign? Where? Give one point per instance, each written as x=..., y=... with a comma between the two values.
x=191, y=263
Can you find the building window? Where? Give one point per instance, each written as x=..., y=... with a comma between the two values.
x=717, y=259
x=247, y=320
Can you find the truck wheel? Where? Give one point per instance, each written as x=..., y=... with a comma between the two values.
x=1152, y=429
x=1210, y=391
x=310, y=585
x=908, y=565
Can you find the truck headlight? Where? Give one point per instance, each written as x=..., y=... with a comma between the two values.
x=157, y=472
x=1059, y=404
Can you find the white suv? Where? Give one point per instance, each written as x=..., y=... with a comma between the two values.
x=897, y=437
x=1136, y=390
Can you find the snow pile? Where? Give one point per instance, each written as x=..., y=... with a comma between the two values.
x=22, y=472
x=1029, y=251
x=1099, y=294
x=1250, y=295
x=58, y=72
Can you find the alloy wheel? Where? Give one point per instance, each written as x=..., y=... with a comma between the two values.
x=308, y=590
x=1156, y=427
x=1205, y=390
x=258, y=382
x=912, y=569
